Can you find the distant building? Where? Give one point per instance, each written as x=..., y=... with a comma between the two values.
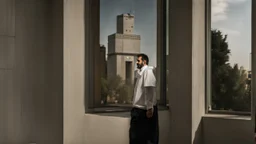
x=103, y=61
x=123, y=47
x=249, y=75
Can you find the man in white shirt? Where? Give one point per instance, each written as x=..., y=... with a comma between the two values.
x=144, y=115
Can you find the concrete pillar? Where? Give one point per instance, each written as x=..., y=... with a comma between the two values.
x=7, y=46
x=31, y=71
x=74, y=68
x=187, y=70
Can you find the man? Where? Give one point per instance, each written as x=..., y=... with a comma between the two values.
x=144, y=114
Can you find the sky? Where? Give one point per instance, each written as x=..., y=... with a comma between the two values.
x=232, y=17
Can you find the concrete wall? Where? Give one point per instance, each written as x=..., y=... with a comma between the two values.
x=31, y=71
x=114, y=129
x=227, y=130
x=180, y=75
x=127, y=45
x=198, y=69
x=73, y=97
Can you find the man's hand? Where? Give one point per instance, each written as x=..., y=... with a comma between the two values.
x=149, y=113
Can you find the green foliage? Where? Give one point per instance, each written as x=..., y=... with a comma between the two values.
x=115, y=87
x=229, y=84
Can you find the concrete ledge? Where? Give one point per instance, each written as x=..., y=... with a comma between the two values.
x=224, y=116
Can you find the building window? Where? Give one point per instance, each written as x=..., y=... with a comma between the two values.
x=229, y=56
x=110, y=69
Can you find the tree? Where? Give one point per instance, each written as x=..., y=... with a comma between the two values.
x=116, y=88
x=237, y=89
x=220, y=70
x=228, y=83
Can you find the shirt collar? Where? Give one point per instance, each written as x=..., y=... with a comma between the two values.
x=142, y=69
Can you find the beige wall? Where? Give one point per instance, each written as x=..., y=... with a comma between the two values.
x=115, y=129
x=198, y=69
x=74, y=109
x=31, y=71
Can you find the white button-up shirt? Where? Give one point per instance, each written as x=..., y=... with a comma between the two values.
x=145, y=88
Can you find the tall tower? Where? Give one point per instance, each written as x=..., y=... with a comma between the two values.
x=125, y=24
x=123, y=47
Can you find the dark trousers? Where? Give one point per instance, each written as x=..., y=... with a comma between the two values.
x=144, y=130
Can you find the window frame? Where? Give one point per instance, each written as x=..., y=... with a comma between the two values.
x=92, y=82
x=208, y=98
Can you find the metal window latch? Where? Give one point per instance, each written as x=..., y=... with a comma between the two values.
x=209, y=107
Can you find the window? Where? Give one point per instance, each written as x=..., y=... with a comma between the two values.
x=229, y=56
x=110, y=70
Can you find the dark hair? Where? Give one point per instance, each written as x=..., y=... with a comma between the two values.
x=143, y=57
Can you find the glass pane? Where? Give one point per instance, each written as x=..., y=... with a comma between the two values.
x=230, y=55
x=127, y=28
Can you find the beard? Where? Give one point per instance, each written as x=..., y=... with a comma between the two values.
x=139, y=66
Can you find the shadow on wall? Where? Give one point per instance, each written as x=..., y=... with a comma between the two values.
x=199, y=134
x=228, y=131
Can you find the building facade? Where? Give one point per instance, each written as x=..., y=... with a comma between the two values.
x=123, y=47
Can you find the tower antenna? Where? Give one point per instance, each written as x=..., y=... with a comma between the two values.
x=132, y=11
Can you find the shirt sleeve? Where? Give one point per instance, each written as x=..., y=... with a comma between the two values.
x=149, y=78
x=149, y=92
x=149, y=85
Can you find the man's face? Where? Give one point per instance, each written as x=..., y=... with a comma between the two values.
x=140, y=63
